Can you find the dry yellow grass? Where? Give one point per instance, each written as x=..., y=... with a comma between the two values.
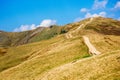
x=57, y=53
x=102, y=67
x=60, y=58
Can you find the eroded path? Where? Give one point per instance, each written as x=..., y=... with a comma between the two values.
x=69, y=35
x=91, y=48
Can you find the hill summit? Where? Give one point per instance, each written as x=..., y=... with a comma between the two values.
x=85, y=50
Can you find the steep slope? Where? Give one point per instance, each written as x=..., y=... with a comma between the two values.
x=38, y=59
x=66, y=56
x=19, y=38
x=46, y=54
x=4, y=39
x=105, y=26
x=102, y=25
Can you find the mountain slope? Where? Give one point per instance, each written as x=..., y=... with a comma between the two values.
x=66, y=56
x=103, y=67
x=19, y=38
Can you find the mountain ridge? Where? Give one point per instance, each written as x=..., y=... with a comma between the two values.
x=63, y=55
x=99, y=24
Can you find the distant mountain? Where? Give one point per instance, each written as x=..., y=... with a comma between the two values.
x=85, y=50
x=19, y=38
x=101, y=25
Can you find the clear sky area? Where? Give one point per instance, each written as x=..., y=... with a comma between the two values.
x=21, y=15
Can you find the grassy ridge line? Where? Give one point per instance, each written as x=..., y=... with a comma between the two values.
x=99, y=24
x=20, y=38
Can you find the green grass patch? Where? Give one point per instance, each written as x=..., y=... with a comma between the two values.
x=87, y=55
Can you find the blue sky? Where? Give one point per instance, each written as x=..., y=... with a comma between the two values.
x=21, y=15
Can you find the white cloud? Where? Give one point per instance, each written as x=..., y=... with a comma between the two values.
x=89, y=15
x=117, y=5
x=47, y=22
x=102, y=14
x=100, y=4
x=25, y=28
x=44, y=23
x=84, y=10
x=33, y=26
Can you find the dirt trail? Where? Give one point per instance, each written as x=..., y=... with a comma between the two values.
x=79, y=27
x=69, y=35
x=91, y=48
x=66, y=35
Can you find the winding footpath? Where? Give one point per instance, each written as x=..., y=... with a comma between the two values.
x=69, y=35
x=92, y=49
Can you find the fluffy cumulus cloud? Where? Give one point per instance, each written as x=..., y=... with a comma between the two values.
x=84, y=10
x=33, y=26
x=89, y=15
x=102, y=14
x=47, y=22
x=117, y=5
x=25, y=28
x=100, y=4
x=44, y=23
x=96, y=7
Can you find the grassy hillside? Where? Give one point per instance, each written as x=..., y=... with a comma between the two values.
x=56, y=45
x=42, y=57
x=105, y=26
x=19, y=38
x=53, y=56
x=102, y=25
x=103, y=67
x=4, y=39
x=48, y=33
